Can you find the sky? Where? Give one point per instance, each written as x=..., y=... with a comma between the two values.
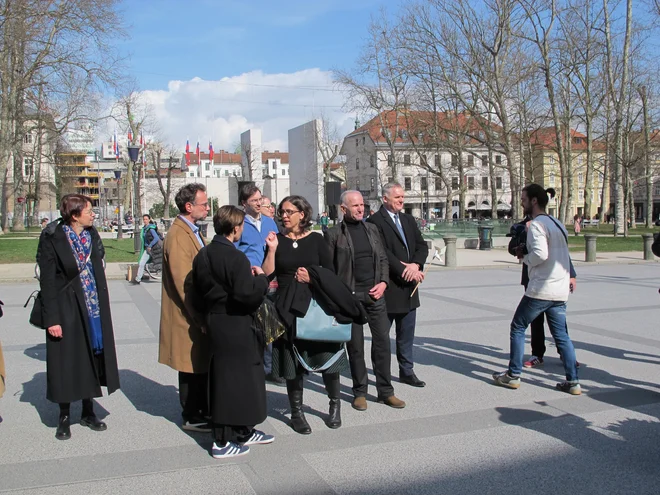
x=212, y=69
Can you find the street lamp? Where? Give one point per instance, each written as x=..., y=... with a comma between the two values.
x=133, y=152
x=120, y=233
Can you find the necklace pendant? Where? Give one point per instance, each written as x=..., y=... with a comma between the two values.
x=295, y=244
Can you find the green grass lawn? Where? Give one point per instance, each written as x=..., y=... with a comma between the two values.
x=25, y=250
x=608, y=244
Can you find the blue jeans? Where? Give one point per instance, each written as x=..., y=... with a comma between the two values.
x=555, y=313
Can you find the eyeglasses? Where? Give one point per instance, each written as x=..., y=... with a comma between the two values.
x=288, y=213
x=200, y=204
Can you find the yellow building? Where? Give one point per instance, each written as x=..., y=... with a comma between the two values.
x=76, y=175
x=546, y=172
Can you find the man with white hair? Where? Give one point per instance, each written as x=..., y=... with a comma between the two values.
x=360, y=261
x=406, y=253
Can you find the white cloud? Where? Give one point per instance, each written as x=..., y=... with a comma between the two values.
x=221, y=110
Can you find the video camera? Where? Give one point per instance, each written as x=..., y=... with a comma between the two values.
x=518, y=234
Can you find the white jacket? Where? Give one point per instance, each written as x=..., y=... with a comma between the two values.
x=548, y=260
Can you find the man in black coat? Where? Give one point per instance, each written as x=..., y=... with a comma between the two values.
x=361, y=262
x=406, y=253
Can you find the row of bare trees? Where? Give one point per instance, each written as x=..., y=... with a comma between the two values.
x=514, y=67
x=56, y=61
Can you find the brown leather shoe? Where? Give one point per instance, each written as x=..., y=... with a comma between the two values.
x=360, y=403
x=392, y=401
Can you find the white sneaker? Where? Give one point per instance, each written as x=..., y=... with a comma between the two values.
x=230, y=449
x=259, y=438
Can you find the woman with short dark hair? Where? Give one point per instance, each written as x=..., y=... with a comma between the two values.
x=80, y=344
x=228, y=292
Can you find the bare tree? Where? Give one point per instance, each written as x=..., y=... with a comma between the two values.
x=157, y=151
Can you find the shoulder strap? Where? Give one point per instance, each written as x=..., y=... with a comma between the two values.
x=560, y=229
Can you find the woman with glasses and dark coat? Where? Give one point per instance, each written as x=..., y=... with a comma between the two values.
x=80, y=344
x=297, y=247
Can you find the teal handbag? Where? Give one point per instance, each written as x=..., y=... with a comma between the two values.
x=320, y=327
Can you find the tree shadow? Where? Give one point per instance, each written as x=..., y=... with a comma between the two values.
x=617, y=353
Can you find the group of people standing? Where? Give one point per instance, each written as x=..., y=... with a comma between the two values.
x=211, y=292
x=367, y=272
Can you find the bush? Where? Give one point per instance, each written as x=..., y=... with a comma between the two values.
x=157, y=211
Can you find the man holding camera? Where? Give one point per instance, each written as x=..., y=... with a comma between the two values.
x=518, y=244
x=546, y=254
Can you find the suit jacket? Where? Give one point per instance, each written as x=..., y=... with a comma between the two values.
x=183, y=346
x=397, y=295
x=343, y=255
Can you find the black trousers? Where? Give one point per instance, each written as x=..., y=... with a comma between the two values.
x=227, y=433
x=538, y=336
x=381, y=355
x=193, y=394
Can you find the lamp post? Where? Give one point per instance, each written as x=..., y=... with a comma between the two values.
x=120, y=233
x=133, y=152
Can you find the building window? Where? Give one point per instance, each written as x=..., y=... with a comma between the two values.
x=551, y=179
x=424, y=185
x=28, y=167
x=438, y=184
x=484, y=183
x=208, y=167
x=362, y=139
x=226, y=173
x=406, y=160
x=498, y=183
x=581, y=195
x=390, y=180
x=454, y=161
x=580, y=160
x=390, y=161
x=373, y=184
x=283, y=172
x=407, y=183
x=357, y=163
x=601, y=177
x=27, y=139
x=372, y=161
x=454, y=182
x=437, y=162
x=498, y=159
x=484, y=161
x=357, y=142
x=552, y=160
x=580, y=178
x=470, y=161
x=656, y=191
x=471, y=182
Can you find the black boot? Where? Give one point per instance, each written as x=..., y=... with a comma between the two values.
x=63, y=426
x=294, y=389
x=88, y=417
x=331, y=382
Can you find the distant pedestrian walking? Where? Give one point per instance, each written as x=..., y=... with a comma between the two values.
x=577, y=224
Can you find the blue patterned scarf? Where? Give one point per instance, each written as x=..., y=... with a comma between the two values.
x=82, y=250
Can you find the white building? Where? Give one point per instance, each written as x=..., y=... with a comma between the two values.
x=306, y=163
x=371, y=163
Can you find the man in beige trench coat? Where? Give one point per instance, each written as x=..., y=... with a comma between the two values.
x=183, y=341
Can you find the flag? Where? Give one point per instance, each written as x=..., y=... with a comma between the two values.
x=211, y=152
x=199, y=162
x=141, y=139
x=115, y=144
x=130, y=136
x=187, y=153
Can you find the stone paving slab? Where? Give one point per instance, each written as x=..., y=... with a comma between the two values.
x=459, y=434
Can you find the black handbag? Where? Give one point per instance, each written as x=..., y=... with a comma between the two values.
x=37, y=313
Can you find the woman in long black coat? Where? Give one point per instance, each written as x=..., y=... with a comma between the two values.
x=229, y=292
x=80, y=344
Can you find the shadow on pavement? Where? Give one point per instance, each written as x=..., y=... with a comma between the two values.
x=34, y=392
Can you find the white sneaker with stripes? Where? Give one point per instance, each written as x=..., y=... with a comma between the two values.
x=230, y=449
x=259, y=438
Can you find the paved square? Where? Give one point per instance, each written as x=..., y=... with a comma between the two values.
x=460, y=434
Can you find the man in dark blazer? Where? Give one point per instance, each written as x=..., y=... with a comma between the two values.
x=361, y=263
x=406, y=253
